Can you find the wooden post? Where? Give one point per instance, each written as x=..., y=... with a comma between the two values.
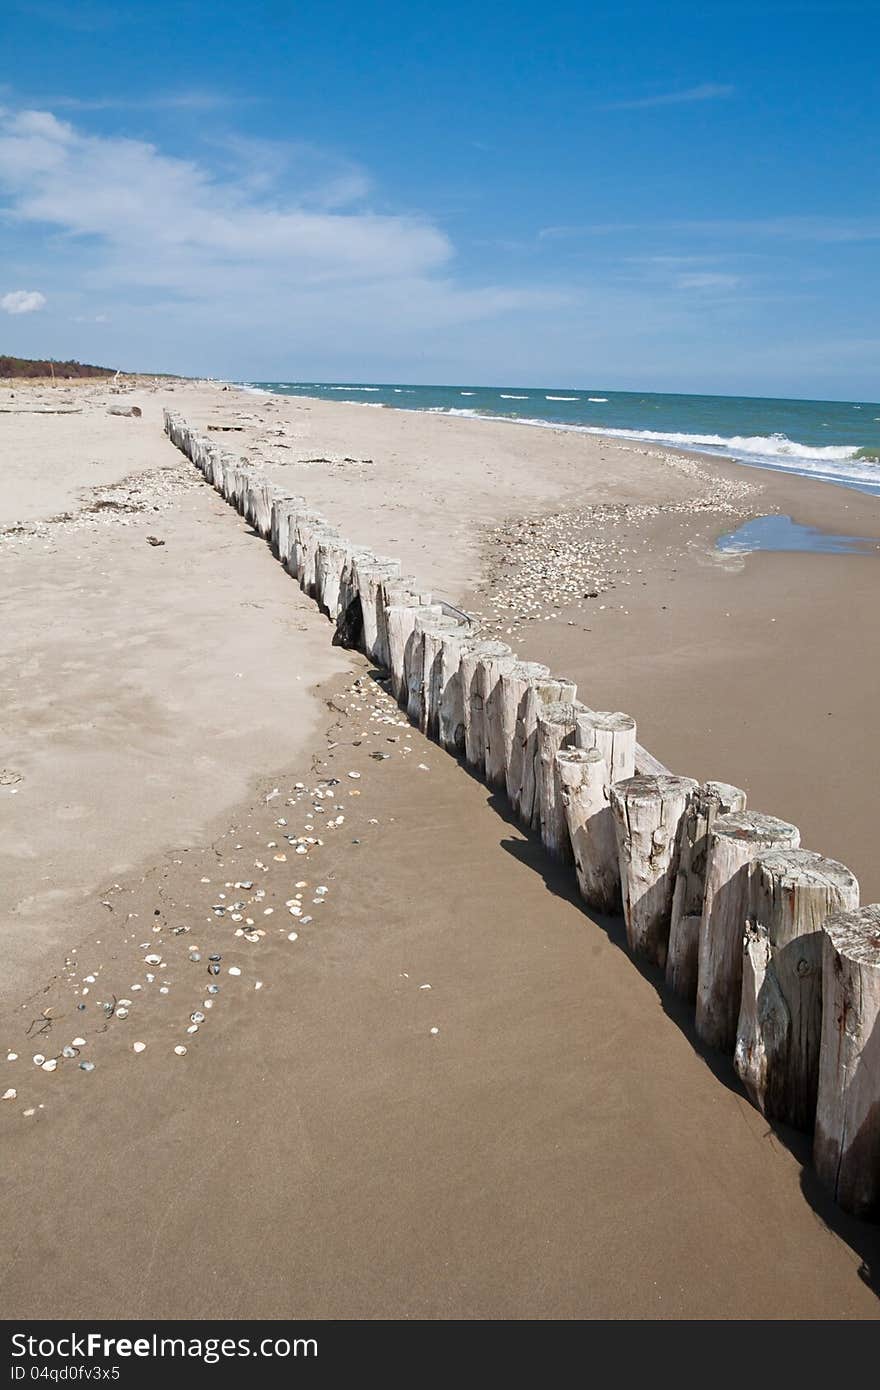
x=414, y=660
x=791, y=894
x=491, y=673
x=436, y=673
x=647, y=813
x=371, y=573
x=734, y=841
x=557, y=726
x=846, y=1148
x=450, y=711
x=711, y=800
x=614, y=734
x=330, y=557
x=514, y=684
x=400, y=621
x=585, y=791
x=394, y=590
x=538, y=693
x=284, y=510
x=473, y=695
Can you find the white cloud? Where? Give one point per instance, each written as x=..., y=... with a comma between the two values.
x=708, y=280
x=22, y=301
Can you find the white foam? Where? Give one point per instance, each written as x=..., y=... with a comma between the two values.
x=598, y=400
x=512, y=398
x=562, y=398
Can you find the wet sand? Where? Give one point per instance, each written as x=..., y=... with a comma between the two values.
x=559, y=1147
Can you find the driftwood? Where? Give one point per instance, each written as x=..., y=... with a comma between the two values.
x=585, y=791
x=648, y=811
x=557, y=726
x=791, y=894
x=473, y=696
x=330, y=559
x=414, y=661
x=614, y=734
x=711, y=800
x=524, y=798
x=846, y=1147
x=734, y=841
x=440, y=639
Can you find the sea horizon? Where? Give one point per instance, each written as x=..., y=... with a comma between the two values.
x=831, y=441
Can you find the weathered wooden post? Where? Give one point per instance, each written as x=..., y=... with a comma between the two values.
x=734, y=841
x=584, y=788
x=514, y=684
x=284, y=510
x=371, y=573
x=436, y=669
x=473, y=694
x=648, y=811
x=525, y=800
x=492, y=671
x=414, y=661
x=400, y=621
x=450, y=714
x=614, y=734
x=557, y=726
x=791, y=894
x=846, y=1146
x=330, y=557
x=711, y=800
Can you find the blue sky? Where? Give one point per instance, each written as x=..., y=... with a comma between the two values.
x=639, y=195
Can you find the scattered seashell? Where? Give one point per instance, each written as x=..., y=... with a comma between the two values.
x=234, y=970
x=258, y=984
x=122, y=1013
x=152, y=959
x=138, y=1047
x=180, y=1050
x=32, y=1111
x=10, y=1094
x=193, y=1028
x=50, y=1065
x=355, y=775
x=215, y=956
x=78, y=1042
x=87, y=1066
x=39, y=1059
x=424, y=986
x=213, y=968
x=435, y=1030
x=69, y=1051
x=12, y=1056
x=293, y=936
x=213, y=989
x=197, y=1017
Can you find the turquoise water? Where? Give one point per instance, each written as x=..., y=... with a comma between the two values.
x=781, y=533
x=836, y=441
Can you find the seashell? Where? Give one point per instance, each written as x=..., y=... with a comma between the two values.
x=195, y=957
x=138, y=1047
x=126, y=1003
x=87, y=1066
x=193, y=1028
x=78, y=1042
x=10, y=1094
x=234, y=970
x=197, y=1017
x=208, y=1004
x=258, y=984
x=215, y=956
x=355, y=775
x=180, y=1051
x=122, y=1013
x=163, y=989
x=152, y=959
x=69, y=1051
x=293, y=936
x=435, y=1030
x=39, y=1059
x=251, y=936
x=12, y=1056
x=213, y=968
x=50, y=1065
x=90, y=979
x=213, y=989
x=32, y=1111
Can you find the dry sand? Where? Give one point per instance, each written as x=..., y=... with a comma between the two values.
x=559, y=1147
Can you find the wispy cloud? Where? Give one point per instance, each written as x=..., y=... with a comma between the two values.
x=22, y=301
x=704, y=91
x=192, y=100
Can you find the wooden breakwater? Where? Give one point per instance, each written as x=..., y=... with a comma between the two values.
x=766, y=940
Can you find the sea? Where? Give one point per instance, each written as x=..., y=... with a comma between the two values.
x=835, y=441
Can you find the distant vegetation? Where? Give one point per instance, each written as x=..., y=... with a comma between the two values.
x=25, y=367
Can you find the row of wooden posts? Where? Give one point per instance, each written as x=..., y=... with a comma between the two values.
x=764, y=938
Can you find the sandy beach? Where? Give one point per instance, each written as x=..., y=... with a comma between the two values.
x=452, y=1094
